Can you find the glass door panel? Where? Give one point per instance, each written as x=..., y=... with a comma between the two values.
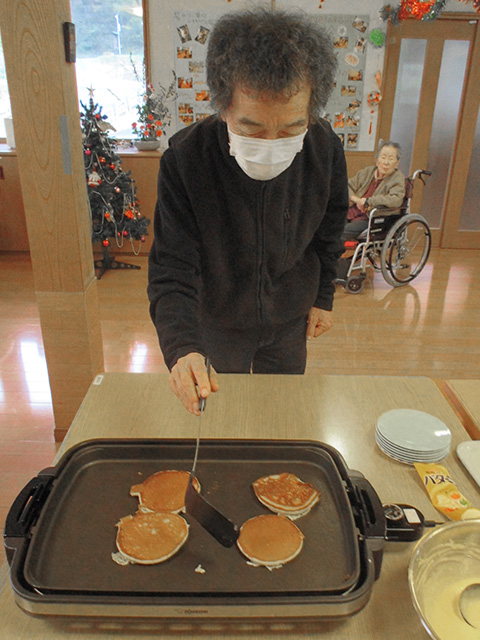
x=407, y=97
x=470, y=215
x=444, y=127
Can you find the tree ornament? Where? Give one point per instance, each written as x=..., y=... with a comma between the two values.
x=125, y=233
x=143, y=239
x=117, y=189
x=105, y=243
x=94, y=179
x=105, y=126
x=377, y=38
x=88, y=152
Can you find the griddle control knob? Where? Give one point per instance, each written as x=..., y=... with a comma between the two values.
x=404, y=523
x=393, y=512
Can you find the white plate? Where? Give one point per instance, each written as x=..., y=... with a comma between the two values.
x=409, y=452
x=469, y=454
x=414, y=430
x=410, y=459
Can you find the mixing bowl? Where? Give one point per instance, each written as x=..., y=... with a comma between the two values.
x=443, y=563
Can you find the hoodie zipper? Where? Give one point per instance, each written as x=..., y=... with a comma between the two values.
x=261, y=246
x=286, y=231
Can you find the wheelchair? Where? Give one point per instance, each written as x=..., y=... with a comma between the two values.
x=396, y=243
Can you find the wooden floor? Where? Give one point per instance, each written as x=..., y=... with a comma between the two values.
x=431, y=328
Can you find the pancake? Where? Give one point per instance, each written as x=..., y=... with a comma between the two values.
x=286, y=494
x=150, y=538
x=270, y=540
x=163, y=491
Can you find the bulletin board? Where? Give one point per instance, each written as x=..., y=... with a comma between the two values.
x=192, y=29
x=348, y=33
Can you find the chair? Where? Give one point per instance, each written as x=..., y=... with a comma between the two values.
x=396, y=243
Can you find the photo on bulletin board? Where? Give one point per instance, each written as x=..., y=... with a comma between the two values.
x=192, y=30
x=348, y=34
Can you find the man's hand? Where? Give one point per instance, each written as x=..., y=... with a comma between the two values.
x=188, y=374
x=319, y=321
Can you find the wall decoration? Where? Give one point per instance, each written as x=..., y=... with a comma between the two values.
x=417, y=9
x=192, y=29
x=377, y=38
x=349, y=34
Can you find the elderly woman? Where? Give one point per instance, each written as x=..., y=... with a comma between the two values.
x=380, y=185
x=251, y=207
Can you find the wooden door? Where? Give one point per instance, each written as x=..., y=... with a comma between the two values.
x=431, y=106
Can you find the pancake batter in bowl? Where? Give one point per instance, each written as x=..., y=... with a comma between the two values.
x=443, y=576
x=443, y=613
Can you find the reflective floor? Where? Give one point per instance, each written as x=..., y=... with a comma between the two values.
x=431, y=328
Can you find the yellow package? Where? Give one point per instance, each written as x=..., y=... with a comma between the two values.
x=444, y=493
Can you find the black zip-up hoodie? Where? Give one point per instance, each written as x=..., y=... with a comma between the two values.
x=240, y=253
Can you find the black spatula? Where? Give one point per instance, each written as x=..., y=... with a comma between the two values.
x=218, y=525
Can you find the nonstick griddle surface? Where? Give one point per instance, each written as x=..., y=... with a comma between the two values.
x=74, y=538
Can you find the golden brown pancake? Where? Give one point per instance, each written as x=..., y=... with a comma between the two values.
x=163, y=491
x=286, y=494
x=150, y=538
x=270, y=540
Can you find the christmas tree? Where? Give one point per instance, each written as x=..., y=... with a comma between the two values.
x=114, y=208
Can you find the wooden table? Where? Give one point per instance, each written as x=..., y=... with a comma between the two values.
x=338, y=410
x=465, y=397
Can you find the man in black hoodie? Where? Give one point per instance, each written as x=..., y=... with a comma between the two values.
x=251, y=207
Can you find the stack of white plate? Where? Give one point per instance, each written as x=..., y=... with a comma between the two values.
x=412, y=436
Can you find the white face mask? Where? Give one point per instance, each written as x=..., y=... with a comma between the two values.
x=263, y=159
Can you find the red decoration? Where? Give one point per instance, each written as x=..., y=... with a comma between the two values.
x=88, y=152
x=117, y=189
x=125, y=233
x=414, y=9
x=105, y=243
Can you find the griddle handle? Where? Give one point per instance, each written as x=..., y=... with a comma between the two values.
x=370, y=518
x=27, y=506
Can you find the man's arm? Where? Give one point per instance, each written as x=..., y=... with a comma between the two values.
x=174, y=279
x=328, y=240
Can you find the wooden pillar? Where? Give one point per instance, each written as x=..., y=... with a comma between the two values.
x=46, y=120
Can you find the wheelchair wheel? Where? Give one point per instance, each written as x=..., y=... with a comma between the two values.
x=355, y=285
x=405, y=250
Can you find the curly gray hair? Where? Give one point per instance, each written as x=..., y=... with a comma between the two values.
x=271, y=52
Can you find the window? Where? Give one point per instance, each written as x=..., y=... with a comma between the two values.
x=4, y=97
x=110, y=47
x=110, y=57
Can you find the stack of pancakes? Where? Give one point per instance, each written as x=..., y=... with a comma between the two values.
x=273, y=540
x=156, y=532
